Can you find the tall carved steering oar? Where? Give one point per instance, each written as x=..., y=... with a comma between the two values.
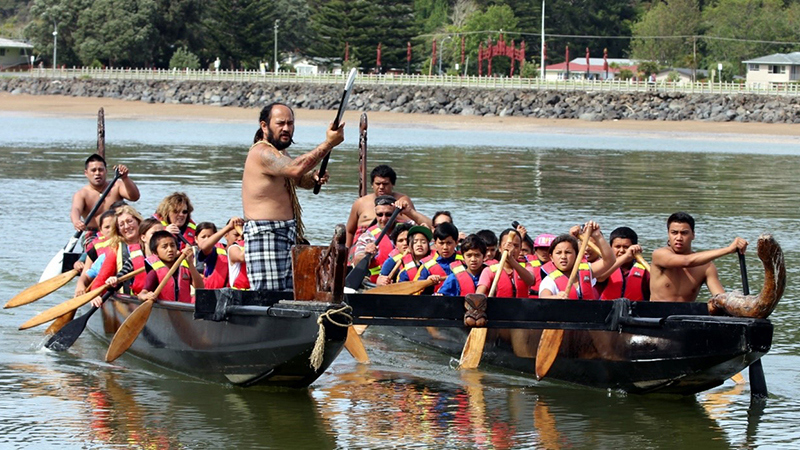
x=758, y=383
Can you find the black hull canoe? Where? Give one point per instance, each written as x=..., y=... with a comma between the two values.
x=637, y=347
x=243, y=338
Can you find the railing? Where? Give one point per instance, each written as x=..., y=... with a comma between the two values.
x=255, y=76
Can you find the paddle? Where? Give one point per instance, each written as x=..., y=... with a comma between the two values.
x=355, y=346
x=473, y=348
x=129, y=330
x=758, y=383
x=551, y=339
x=403, y=288
x=54, y=266
x=640, y=260
x=356, y=276
x=41, y=289
x=70, y=332
x=72, y=304
x=348, y=86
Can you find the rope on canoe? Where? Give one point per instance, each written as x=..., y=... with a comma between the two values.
x=319, y=344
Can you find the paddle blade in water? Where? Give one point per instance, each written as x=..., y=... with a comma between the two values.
x=473, y=349
x=546, y=355
x=69, y=333
x=41, y=289
x=355, y=346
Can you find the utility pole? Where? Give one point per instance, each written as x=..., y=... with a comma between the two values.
x=55, y=43
x=277, y=21
x=542, y=68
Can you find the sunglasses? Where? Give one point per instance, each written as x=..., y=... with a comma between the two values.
x=383, y=214
x=185, y=211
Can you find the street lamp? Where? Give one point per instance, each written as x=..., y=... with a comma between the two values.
x=440, y=53
x=55, y=44
x=542, y=68
x=277, y=21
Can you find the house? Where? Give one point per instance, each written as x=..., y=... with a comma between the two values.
x=577, y=69
x=775, y=68
x=684, y=74
x=14, y=53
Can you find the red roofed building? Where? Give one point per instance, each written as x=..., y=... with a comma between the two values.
x=597, y=71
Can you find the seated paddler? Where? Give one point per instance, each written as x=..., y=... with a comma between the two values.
x=627, y=277
x=515, y=279
x=366, y=243
x=464, y=278
x=439, y=264
x=179, y=287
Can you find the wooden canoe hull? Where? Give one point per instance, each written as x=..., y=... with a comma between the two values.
x=267, y=342
x=637, y=347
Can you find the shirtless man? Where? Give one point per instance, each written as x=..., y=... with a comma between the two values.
x=678, y=272
x=84, y=200
x=362, y=213
x=271, y=210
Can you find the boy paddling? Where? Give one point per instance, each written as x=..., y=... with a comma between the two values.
x=678, y=271
x=95, y=171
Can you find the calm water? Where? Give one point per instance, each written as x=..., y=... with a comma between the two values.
x=408, y=397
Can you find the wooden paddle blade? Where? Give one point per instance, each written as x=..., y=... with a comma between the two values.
x=738, y=378
x=549, y=344
x=473, y=349
x=59, y=323
x=40, y=290
x=129, y=330
x=404, y=288
x=62, y=308
x=360, y=329
x=355, y=346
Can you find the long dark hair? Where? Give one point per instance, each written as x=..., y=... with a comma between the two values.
x=266, y=116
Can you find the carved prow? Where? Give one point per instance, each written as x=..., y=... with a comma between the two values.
x=758, y=306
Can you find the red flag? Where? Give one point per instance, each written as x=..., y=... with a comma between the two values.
x=346, y=51
x=408, y=52
x=605, y=61
x=379, y=55
x=568, y=61
x=587, y=62
x=433, y=58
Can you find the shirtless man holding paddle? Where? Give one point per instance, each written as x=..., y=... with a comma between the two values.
x=84, y=200
x=678, y=271
x=271, y=210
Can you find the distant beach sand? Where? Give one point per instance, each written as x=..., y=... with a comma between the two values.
x=57, y=105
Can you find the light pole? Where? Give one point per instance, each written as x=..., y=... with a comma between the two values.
x=440, y=54
x=55, y=44
x=541, y=70
x=277, y=21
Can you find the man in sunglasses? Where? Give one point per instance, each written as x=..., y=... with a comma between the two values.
x=384, y=208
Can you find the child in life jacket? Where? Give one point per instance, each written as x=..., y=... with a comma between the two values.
x=92, y=258
x=490, y=239
x=626, y=278
x=237, y=268
x=515, y=279
x=391, y=267
x=146, y=230
x=439, y=265
x=464, y=278
x=164, y=244
x=419, y=238
x=212, y=256
x=563, y=255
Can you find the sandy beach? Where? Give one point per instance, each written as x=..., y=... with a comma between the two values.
x=56, y=105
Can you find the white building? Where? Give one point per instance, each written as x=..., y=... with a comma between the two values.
x=597, y=70
x=776, y=68
x=14, y=53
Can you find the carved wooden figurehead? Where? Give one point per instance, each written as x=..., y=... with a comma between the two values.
x=319, y=271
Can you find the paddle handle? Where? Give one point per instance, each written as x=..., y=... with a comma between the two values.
x=502, y=264
x=170, y=273
x=576, y=267
x=640, y=259
x=743, y=270
x=397, y=266
x=342, y=105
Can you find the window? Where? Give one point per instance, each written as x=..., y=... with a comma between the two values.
x=777, y=69
x=753, y=67
x=2, y=52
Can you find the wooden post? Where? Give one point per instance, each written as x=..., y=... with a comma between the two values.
x=101, y=133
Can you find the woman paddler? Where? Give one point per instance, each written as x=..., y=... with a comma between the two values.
x=175, y=213
x=419, y=239
x=563, y=255
x=127, y=254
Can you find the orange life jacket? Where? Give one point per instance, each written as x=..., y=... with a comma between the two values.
x=505, y=286
x=184, y=290
x=630, y=287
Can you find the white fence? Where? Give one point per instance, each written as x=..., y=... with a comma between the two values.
x=412, y=80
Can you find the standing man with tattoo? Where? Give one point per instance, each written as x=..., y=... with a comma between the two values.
x=272, y=212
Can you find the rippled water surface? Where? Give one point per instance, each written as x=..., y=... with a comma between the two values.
x=408, y=396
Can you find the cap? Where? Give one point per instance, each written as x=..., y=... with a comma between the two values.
x=420, y=229
x=543, y=240
x=384, y=200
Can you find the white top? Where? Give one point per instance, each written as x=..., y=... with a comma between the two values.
x=550, y=284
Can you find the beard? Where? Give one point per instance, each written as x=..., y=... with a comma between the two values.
x=276, y=142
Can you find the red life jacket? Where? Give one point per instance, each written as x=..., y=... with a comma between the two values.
x=588, y=291
x=184, y=283
x=218, y=279
x=434, y=268
x=188, y=233
x=629, y=287
x=113, y=264
x=385, y=249
x=410, y=267
x=237, y=272
x=534, y=266
x=505, y=287
x=466, y=284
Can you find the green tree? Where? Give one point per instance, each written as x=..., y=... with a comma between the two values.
x=588, y=17
x=184, y=59
x=745, y=19
x=239, y=33
x=431, y=15
x=676, y=18
x=496, y=17
x=178, y=23
x=118, y=32
x=47, y=13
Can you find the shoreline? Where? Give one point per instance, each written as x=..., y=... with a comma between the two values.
x=116, y=109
